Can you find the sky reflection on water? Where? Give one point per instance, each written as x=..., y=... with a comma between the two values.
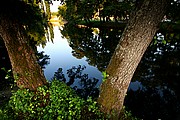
x=61, y=57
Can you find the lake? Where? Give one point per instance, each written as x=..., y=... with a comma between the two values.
x=61, y=57
x=154, y=90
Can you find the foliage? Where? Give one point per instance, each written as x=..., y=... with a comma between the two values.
x=36, y=28
x=5, y=114
x=53, y=101
x=96, y=48
x=105, y=75
x=29, y=15
x=127, y=115
x=95, y=9
x=62, y=11
x=54, y=13
x=8, y=76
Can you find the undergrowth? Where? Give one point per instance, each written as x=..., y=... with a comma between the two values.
x=55, y=101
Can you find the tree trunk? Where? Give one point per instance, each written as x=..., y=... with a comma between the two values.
x=26, y=70
x=137, y=36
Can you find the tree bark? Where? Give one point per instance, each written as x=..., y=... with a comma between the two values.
x=137, y=36
x=26, y=70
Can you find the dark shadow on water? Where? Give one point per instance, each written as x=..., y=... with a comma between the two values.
x=96, y=44
x=154, y=90
x=158, y=73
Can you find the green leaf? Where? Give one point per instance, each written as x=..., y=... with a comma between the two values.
x=164, y=42
x=50, y=111
x=155, y=42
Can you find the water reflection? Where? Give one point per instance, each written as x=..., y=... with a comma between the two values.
x=98, y=48
x=43, y=59
x=61, y=57
x=153, y=92
x=80, y=82
x=159, y=75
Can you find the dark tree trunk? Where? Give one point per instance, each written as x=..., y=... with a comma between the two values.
x=136, y=38
x=25, y=68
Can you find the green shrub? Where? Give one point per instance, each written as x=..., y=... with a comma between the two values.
x=55, y=101
x=3, y=115
x=127, y=115
x=6, y=113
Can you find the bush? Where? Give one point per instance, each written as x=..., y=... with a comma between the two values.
x=55, y=101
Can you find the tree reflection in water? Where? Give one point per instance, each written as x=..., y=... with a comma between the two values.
x=157, y=77
x=158, y=74
x=80, y=82
x=98, y=48
x=42, y=59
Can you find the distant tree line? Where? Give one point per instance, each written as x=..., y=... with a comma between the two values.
x=102, y=10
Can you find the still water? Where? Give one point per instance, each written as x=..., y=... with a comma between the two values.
x=61, y=57
x=154, y=90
